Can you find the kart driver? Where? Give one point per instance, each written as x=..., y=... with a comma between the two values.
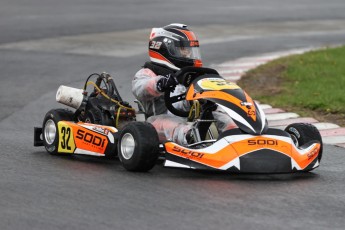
x=170, y=48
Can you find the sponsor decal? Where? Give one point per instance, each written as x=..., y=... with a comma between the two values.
x=189, y=78
x=100, y=129
x=216, y=84
x=312, y=153
x=91, y=139
x=250, y=113
x=194, y=43
x=189, y=154
x=104, y=130
x=262, y=142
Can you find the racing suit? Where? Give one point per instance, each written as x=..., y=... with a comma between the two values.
x=168, y=126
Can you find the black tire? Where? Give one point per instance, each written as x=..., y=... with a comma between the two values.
x=50, y=121
x=94, y=115
x=138, y=146
x=302, y=133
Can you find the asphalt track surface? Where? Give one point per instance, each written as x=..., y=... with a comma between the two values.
x=40, y=191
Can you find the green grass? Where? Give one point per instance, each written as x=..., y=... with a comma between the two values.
x=312, y=81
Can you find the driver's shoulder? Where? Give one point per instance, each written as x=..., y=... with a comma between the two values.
x=145, y=72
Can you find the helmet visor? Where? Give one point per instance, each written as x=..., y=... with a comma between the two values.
x=184, y=49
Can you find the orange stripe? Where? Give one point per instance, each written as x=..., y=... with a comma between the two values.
x=304, y=160
x=190, y=35
x=215, y=160
x=158, y=56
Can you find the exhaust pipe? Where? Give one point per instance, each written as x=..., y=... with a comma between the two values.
x=69, y=96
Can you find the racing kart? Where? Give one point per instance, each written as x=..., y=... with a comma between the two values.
x=253, y=147
x=92, y=129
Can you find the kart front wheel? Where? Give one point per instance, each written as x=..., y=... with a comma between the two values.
x=138, y=146
x=302, y=133
x=50, y=132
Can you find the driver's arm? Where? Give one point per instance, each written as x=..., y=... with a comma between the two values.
x=144, y=85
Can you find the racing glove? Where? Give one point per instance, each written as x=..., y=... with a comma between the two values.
x=167, y=82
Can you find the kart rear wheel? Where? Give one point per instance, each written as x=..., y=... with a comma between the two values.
x=93, y=116
x=96, y=116
x=138, y=146
x=50, y=132
x=302, y=133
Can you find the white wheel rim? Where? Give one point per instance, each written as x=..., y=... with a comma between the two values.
x=49, y=131
x=127, y=146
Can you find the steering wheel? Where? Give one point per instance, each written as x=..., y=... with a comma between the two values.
x=184, y=76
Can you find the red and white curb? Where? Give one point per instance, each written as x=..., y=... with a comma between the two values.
x=278, y=118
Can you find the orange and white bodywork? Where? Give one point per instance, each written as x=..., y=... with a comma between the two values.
x=253, y=147
x=232, y=99
x=86, y=138
x=267, y=153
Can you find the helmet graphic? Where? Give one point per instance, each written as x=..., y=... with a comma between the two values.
x=174, y=46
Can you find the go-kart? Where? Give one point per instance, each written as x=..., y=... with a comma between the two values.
x=92, y=129
x=253, y=147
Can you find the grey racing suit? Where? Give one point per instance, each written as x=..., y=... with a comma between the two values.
x=168, y=126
